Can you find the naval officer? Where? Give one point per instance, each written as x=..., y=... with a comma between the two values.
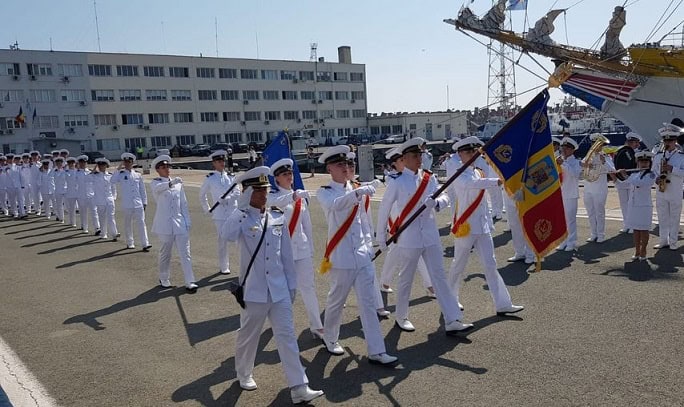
x=71, y=189
x=569, y=170
x=105, y=199
x=171, y=223
x=86, y=194
x=668, y=166
x=133, y=200
x=269, y=285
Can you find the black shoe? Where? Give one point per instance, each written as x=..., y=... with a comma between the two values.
x=147, y=248
x=98, y=232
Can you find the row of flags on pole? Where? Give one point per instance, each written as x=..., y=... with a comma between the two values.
x=21, y=117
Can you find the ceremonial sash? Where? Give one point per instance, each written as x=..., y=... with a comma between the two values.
x=390, y=222
x=411, y=203
x=336, y=239
x=295, y=216
x=366, y=198
x=461, y=227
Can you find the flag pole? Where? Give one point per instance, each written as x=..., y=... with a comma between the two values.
x=543, y=94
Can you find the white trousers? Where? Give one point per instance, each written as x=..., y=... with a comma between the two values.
x=47, y=205
x=16, y=201
x=137, y=215
x=391, y=266
x=106, y=215
x=623, y=195
x=71, y=210
x=484, y=246
x=3, y=200
x=595, y=202
x=85, y=206
x=223, y=245
x=307, y=290
x=252, y=322
x=495, y=201
x=669, y=212
x=182, y=243
x=59, y=206
x=517, y=236
x=35, y=197
x=27, y=198
x=341, y=282
x=432, y=255
x=570, y=207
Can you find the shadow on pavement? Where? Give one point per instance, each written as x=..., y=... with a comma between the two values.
x=59, y=239
x=94, y=239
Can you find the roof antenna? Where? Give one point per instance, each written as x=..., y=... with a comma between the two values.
x=97, y=27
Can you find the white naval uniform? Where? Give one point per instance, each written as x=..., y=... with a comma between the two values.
x=640, y=203
x=15, y=191
x=302, y=251
x=520, y=245
x=268, y=290
x=218, y=183
x=669, y=203
x=571, y=171
x=495, y=193
x=351, y=267
x=133, y=203
x=71, y=194
x=105, y=197
x=60, y=192
x=46, y=185
x=172, y=225
x=595, y=196
x=34, y=187
x=85, y=201
x=420, y=238
x=624, y=155
x=467, y=187
x=26, y=174
x=4, y=178
x=368, y=232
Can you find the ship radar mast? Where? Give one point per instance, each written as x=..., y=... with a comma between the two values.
x=501, y=91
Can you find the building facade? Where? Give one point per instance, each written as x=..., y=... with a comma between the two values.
x=429, y=125
x=116, y=102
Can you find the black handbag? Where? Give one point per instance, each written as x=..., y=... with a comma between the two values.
x=237, y=288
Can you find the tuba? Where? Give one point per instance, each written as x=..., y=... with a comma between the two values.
x=593, y=171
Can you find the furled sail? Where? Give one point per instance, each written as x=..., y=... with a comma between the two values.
x=613, y=47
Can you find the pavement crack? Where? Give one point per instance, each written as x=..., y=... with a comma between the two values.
x=11, y=372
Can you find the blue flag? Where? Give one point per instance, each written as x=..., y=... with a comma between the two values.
x=517, y=5
x=277, y=150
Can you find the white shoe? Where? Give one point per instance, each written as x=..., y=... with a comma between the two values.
x=642, y=258
x=386, y=289
x=569, y=248
x=673, y=246
x=165, y=283
x=381, y=359
x=515, y=258
x=561, y=247
x=130, y=246
x=383, y=313
x=334, y=348
x=635, y=257
x=192, y=287
x=461, y=307
x=623, y=230
x=591, y=239
x=660, y=246
x=530, y=260
x=248, y=384
x=456, y=326
x=226, y=271
x=630, y=231
x=303, y=393
x=405, y=325
x=509, y=310
x=600, y=239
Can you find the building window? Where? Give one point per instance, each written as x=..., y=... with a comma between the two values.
x=12, y=95
x=185, y=140
x=206, y=94
x=158, y=118
x=249, y=74
x=252, y=116
x=413, y=126
x=160, y=141
x=102, y=95
x=181, y=95
x=105, y=119
x=205, y=72
x=254, y=137
x=291, y=115
x=306, y=75
x=227, y=73
x=250, y=95
x=39, y=69
x=308, y=95
x=325, y=95
x=269, y=74
x=132, y=118
x=155, y=94
x=10, y=69
x=386, y=129
x=289, y=95
x=126, y=70
x=308, y=114
x=327, y=114
x=358, y=95
x=341, y=95
x=179, y=72
x=340, y=76
x=108, y=144
x=323, y=76
x=70, y=70
x=356, y=76
x=73, y=95
x=231, y=116
x=288, y=75
x=77, y=120
x=234, y=137
x=209, y=116
x=182, y=117
x=271, y=94
x=42, y=95
x=46, y=122
x=134, y=142
x=230, y=95
x=274, y=115
x=211, y=138
x=130, y=95
x=397, y=129
x=10, y=123
x=100, y=70
x=342, y=114
x=358, y=113
x=153, y=71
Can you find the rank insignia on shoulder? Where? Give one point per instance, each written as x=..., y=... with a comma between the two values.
x=326, y=187
x=121, y=172
x=276, y=209
x=210, y=174
x=157, y=179
x=395, y=176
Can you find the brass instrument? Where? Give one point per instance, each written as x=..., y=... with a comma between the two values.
x=593, y=170
x=663, y=179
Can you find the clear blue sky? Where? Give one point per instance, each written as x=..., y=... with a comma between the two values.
x=410, y=54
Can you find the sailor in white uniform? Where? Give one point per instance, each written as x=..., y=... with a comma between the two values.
x=269, y=286
x=171, y=223
x=33, y=184
x=217, y=183
x=347, y=257
x=295, y=205
x=596, y=194
x=46, y=184
x=85, y=200
x=4, y=207
x=105, y=199
x=570, y=170
x=640, y=202
x=624, y=159
x=668, y=166
x=71, y=189
x=133, y=200
x=15, y=186
x=26, y=173
x=413, y=188
x=472, y=229
x=60, y=188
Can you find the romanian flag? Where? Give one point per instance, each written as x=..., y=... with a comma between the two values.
x=20, y=118
x=522, y=154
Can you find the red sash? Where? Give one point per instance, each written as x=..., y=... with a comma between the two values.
x=295, y=216
x=461, y=222
x=336, y=239
x=411, y=203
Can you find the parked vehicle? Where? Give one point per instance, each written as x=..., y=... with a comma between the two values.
x=258, y=146
x=221, y=146
x=201, y=150
x=239, y=147
x=393, y=139
x=155, y=152
x=181, y=150
x=93, y=155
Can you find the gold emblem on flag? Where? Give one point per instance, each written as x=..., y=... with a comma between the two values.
x=539, y=121
x=504, y=153
x=542, y=229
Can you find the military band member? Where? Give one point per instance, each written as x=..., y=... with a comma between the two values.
x=640, y=204
x=570, y=170
x=105, y=199
x=85, y=200
x=60, y=188
x=133, y=200
x=596, y=193
x=295, y=205
x=171, y=223
x=347, y=257
x=624, y=159
x=269, y=286
x=71, y=189
x=668, y=166
x=34, y=179
x=218, y=182
x=46, y=182
x=413, y=188
x=472, y=228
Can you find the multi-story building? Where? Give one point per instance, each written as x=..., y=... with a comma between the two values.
x=428, y=125
x=116, y=102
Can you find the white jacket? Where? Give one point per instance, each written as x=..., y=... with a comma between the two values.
x=302, y=238
x=133, y=194
x=172, y=216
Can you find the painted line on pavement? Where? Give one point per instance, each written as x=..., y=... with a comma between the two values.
x=21, y=387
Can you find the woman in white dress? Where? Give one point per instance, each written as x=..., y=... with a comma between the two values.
x=640, y=203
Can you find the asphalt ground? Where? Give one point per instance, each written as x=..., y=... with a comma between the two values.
x=88, y=320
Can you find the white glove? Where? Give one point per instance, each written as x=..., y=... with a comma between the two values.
x=245, y=197
x=365, y=190
x=177, y=180
x=430, y=203
x=301, y=194
x=376, y=183
x=293, y=293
